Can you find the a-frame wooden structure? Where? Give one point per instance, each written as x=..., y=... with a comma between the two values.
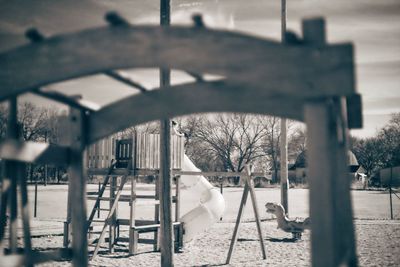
x=307, y=80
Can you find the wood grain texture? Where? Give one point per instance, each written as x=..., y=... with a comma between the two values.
x=332, y=230
x=77, y=184
x=190, y=98
x=309, y=69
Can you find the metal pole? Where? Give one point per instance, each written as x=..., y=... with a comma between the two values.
x=36, y=195
x=283, y=138
x=390, y=193
x=45, y=165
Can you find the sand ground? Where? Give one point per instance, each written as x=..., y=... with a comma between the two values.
x=378, y=238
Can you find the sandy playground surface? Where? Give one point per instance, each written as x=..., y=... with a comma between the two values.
x=378, y=238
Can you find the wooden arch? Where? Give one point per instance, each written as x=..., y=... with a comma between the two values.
x=306, y=80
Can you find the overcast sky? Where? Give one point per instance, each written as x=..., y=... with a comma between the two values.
x=372, y=25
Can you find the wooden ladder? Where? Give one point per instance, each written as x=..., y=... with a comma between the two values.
x=109, y=219
x=99, y=197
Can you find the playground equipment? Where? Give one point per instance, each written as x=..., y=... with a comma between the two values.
x=308, y=80
x=294, y=226
x=139, y=156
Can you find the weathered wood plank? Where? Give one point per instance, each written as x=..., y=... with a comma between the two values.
x=12, y=175
x=243, y=202
x=77, y=183
x=32, y=152
x=305, y=70
x=330, y=206
x=120, y=172
x=332, y=231
x=187, y=99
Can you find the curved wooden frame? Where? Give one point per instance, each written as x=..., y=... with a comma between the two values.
x=185, y=99
x=305, y=69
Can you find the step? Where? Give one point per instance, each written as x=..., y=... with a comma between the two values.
x=123, y=198
x=98, y=220
x=140, y=240
x=137, y=222
x=103, y=209
x=151, y=227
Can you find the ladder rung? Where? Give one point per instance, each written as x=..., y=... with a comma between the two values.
x=151, y=227
x=102, y=209
x=97, y=220
x=146, y=196
x=147, y=241
x=95, y=198
x=137, y=222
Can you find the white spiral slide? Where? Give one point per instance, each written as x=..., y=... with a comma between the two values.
x=211, y=202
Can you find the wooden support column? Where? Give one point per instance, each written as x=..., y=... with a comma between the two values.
x=283, y=134
x=133, y=236
x=21, y=177
x=11, y=174
x=166, y=227
x=112, y=224
x=156, y=246
x=332, y=230
x=77, y=183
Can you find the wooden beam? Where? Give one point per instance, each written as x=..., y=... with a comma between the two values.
x=332, y=231
x=33, y=152
x=166, y=227
x=64, y=99
x=193, y=49
x=119, y=172
x=118, y=77
x=190, y=98
x=77, y=184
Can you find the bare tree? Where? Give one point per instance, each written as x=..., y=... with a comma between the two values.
x=231, y=140
x=297, y=142
x=369, y=153
x=390, y=141
x=34, y=121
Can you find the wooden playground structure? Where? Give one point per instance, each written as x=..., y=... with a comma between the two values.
x=308, y=80
x=118, y=161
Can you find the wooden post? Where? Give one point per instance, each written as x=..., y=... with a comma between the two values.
x=11, y=169
x=248, y=187
x=256, y=213
x=332, y=231
x=243, y=202
x=156, y=245
x=283, y=134
x=133, y=238
x=99, y=206
x=166, y=227
x=77, y=188
x=21, y=176
x=177, y=198
x=111, y=237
